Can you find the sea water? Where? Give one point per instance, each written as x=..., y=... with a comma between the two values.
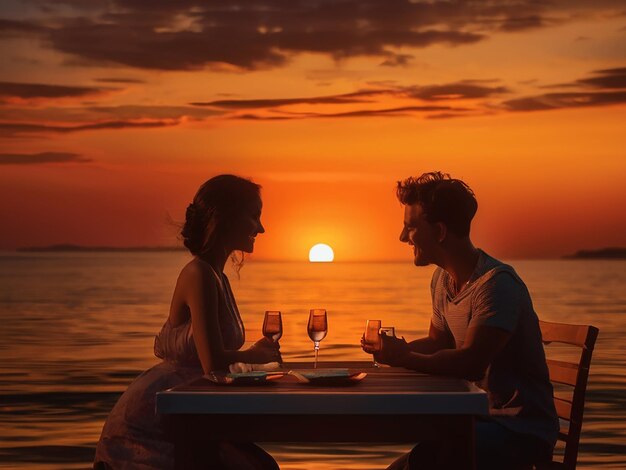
x=76, y=328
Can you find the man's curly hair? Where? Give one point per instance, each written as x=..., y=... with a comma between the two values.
x=443, y=199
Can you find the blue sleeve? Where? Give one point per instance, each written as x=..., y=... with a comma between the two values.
x=497, y=302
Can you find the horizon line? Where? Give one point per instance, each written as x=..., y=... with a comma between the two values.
x=612, y=252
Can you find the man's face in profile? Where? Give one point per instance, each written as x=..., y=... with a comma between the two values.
x=420, y=234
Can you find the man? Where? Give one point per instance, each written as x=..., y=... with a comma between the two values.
x=483, y=328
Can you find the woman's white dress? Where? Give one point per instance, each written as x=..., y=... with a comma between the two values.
x=133, y=436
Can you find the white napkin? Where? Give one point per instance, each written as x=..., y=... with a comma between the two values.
x=242, y=367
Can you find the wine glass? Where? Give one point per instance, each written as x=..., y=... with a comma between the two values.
x=273, y=325
x=372, y=336
x=317, y=329
x=388, y=331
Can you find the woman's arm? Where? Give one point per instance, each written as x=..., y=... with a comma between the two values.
x=202, y=296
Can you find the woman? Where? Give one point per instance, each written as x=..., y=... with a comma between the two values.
x=203, y=333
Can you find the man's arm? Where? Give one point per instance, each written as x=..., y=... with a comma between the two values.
x=495, y=312
x=435, y=341
x=482, y=345
x=396, y=350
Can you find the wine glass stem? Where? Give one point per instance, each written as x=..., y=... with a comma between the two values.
x=317, y=350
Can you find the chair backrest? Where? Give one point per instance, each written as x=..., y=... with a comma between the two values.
x=572, y=374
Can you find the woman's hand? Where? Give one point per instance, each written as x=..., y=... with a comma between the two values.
x=264, y=351
x=393, y=351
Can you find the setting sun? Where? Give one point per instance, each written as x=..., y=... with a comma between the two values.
x=321, y=253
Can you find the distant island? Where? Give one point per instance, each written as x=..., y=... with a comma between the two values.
x=603, y=253
x=74, y=248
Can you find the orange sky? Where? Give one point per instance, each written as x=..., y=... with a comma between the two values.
x=110, y=119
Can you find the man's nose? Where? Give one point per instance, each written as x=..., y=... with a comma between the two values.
x=404, y=236
x=261, y=228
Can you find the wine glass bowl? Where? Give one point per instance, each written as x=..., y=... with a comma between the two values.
x=273, y=325
x=372, y=336
x=317, y=329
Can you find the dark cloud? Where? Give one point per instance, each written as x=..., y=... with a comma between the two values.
x=448, y=116
x=468, y=89
x=397, y=60
x=9, y=28
x=601, y=88
x=559, y=85
x=42, y=157
x=565, y=100
x=120, y=80
x=374, y=99
x=534, y=103
x=133, y=43
x=12, y=129
x=607, y=78
x=615, y=71
x=136, y=112
x=192, y=34
x=397, y=112
x=522, y=23
x=18, y=121
x=461, y=90
x=255, y=117
x=92, y=113
x=356, y=97
x=58, y=6
x=479, y=97
x=42, y=90
x=233, y=41
x=605, y=87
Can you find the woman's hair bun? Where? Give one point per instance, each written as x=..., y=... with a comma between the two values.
x=192, y=229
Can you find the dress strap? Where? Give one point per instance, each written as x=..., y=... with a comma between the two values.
x=231, y=306
x=234, y=310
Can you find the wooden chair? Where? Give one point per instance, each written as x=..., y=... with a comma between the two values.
x=571, y=374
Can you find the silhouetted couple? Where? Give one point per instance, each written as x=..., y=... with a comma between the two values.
x=483, y=328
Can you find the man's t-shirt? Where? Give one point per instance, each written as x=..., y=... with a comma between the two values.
x=517, y=381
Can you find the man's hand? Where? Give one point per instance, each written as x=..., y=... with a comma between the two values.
x=393, y=352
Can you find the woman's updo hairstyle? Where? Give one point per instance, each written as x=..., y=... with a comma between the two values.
x=218, y=202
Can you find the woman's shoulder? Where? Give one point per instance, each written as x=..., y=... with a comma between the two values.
x=197, y=267
x=197, y=270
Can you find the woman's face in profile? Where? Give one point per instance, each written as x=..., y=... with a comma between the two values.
x=247, y=227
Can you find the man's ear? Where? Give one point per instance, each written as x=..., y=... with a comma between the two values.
x=442, y=231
